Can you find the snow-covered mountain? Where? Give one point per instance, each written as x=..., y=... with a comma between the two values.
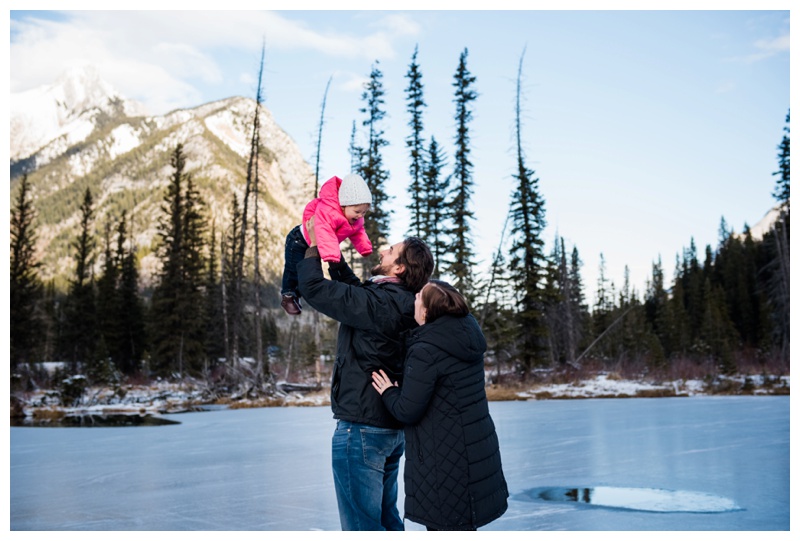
x=69, y=110
x=80, y=133
x=766, y=223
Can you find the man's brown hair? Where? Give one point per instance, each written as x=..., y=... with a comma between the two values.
x=417, y=259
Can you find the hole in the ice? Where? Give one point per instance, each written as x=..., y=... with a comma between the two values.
x=96, y=420
x=639, y=499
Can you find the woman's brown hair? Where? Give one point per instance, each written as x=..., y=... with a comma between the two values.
x=441, y=299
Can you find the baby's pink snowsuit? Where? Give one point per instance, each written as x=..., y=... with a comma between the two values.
x=330, y=225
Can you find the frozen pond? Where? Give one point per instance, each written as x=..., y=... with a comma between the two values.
x=701, y=463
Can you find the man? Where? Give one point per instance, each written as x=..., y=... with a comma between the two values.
x=368, y=442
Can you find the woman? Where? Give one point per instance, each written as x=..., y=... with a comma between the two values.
x=453, y=475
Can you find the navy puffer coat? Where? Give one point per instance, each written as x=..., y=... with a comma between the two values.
x=453, y=474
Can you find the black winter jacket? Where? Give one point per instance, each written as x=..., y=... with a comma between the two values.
x=372, y=317
x=453, y=474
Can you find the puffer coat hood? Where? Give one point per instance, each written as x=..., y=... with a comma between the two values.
x=459, y=337
x=453, y=472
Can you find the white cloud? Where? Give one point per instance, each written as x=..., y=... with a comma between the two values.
x=768, y=47
x=186, y=61
x=776, y=45
x=352, y=82
x=153, y=56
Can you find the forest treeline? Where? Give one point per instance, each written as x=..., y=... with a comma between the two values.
x=723, y=310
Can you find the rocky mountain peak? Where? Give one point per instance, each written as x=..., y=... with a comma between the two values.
x=79, y=133
x=69, y=107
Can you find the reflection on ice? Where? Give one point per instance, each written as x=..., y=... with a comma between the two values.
x=638, y=499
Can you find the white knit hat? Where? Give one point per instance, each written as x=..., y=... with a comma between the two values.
x=354, y=191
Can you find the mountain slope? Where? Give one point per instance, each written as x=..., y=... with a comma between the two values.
x=124, y=160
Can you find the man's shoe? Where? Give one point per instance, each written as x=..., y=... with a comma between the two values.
x=291, y=305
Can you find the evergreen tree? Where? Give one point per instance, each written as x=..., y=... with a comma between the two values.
x=232, y=318
x=107, y=299
x=776, y=264
x=679, y=326
x=565, y=311
x=581, y=318
x=177, y=308
x=130, y=316
x=604, y=300
x=80, y=317
x=781, y=192
x=194, y=268
x=415, y=145
x=656, y=306
x=555, y=308
x=498, y=321
x=460, y=260
x=52, y=322
x=434, y=189
x=694, y=286
x=718, y=335
x=528, y=263
x=215, y=325
x=25, y=286
x=371, y=166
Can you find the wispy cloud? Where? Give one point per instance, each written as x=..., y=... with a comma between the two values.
x=141, y=51
x=765, y=48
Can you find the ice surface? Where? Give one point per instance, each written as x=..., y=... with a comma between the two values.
x=269, y=468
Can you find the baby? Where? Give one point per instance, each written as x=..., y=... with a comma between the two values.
x=338, y=214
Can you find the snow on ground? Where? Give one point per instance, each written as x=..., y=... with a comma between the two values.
x=602, y=385
x=167, y=397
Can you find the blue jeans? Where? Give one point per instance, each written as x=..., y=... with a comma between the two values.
x=294, y=252
x=366, y=460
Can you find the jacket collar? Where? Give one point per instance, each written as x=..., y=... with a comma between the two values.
x=380, y=279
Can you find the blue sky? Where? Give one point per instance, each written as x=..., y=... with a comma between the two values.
x=645, y=128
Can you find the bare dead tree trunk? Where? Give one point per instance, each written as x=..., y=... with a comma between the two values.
x=256, y=267
x=262, y=370
x=319, y=136
x=239, y=251
x=316, y=189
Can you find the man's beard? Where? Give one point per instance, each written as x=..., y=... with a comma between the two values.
x=380, y=269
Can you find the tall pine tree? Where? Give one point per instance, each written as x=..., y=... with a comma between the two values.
x=435, y=186
x=777, y=263
x=781, y=192
x=528, y=263
x=460, y=260
x=79, y=312
x=129, y=349
x=416, y=147
x=178, y=320
x=25, y=287
x=371, y=166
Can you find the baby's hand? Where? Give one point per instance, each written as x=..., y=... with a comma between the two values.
x=311, y=235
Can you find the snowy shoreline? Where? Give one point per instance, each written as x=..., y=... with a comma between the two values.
x=162, y=397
